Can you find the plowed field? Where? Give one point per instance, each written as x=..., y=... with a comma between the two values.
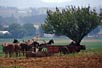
x=89, y=60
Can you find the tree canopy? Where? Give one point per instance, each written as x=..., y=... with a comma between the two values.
x=73, y=22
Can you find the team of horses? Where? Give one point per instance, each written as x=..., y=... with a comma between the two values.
x=17, y=48
x=34, y=49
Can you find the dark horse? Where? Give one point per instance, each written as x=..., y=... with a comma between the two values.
x=50, y=42
x=34, y=45
x=29, y=47
x=72, y=48
x=40, y=53
x=42, y=45
x=24, y=48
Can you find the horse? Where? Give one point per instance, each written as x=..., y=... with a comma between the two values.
x=25, y=46
x=29, y=46
x=16, y=49
x=71, y=49
x=8, y=49
x=50, y=42
x=11, y=48
x=42, y=45
x=65, y=49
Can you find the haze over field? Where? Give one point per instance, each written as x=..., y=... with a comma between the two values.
x=34, y=11
x=49, y=3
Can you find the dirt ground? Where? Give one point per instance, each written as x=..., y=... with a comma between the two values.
x=66, y=61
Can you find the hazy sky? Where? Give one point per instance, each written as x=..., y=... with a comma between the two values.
x=49, y=3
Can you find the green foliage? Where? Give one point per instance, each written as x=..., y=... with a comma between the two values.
x=12, y=67
x=1, y=66
x=73, y=22
x=16, y=66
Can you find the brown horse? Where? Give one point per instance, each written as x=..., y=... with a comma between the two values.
x=16, y=49
x=25, y=47
x=9, y=49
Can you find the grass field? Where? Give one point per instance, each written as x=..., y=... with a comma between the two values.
x=90, y=43
x=94, y=43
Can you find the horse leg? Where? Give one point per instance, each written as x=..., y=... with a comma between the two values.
x=33, y=49
x=23, y=52
x=64, y=50
x=15, y=54
x=6, y=54
x=19, y=53
x=61, y=51
x=40, y=49
x=10, y=54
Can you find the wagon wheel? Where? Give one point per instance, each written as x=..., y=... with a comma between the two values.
x=44, y=49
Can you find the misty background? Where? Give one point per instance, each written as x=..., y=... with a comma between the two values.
x=27, y=15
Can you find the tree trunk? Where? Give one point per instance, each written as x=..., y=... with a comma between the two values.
x=78, y=42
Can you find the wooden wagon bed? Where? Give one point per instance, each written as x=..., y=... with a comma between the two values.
x=52, y=49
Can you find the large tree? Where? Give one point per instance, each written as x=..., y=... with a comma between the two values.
x=72, y=22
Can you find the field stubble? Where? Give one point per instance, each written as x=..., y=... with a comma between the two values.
x=79, y=60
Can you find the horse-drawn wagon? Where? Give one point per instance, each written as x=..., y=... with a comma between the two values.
x=53, y=49
x=40, y=50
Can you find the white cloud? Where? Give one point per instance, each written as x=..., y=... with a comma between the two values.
x=55, y=1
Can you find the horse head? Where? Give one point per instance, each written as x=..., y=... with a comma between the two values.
x=51, y=41
x=82, y=47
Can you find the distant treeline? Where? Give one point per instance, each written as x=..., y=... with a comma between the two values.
x=19, y=31
x=22, y=20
